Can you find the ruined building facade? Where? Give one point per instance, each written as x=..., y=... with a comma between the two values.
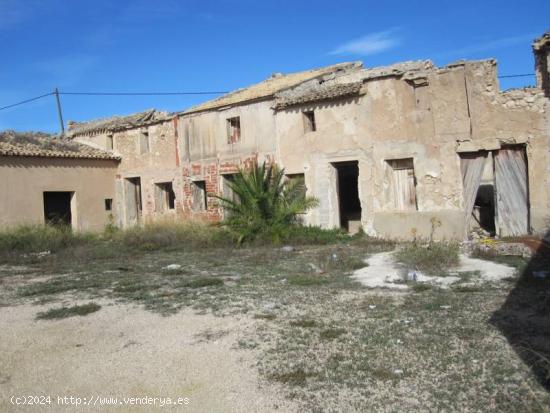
x=409, y=150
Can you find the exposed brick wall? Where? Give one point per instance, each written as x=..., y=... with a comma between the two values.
x=211, y=173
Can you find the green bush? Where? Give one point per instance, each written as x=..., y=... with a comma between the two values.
x=33, y=239
x=432, y=259
x=62, y=241
x=155, y=236
x=299, y=235
x=421, y=287
x=64, y=312
x=265, y=206
x=203, y=282
x=38, y=238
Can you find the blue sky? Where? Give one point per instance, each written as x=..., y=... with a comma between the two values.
x=187, y=45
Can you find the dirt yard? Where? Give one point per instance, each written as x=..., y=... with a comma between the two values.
x=124, y=350
x=265, y=329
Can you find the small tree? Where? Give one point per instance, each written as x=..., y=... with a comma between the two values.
x=265, y=204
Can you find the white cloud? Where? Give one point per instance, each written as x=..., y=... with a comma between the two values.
x=489, y=45
x=370, y=44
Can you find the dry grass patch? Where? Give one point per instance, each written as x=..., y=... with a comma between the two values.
x=331, y=333
x=304, y=322
x=296, y=377
x=431, y=259
x=307, y=280
x=64, y=312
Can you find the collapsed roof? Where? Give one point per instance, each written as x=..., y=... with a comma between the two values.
x=269, y=87
x=346, y=83
x=330, y=82
x=325, y=83
x=39, y=144
x=117, y=123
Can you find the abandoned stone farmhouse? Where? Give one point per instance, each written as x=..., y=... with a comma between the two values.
x=402, y=151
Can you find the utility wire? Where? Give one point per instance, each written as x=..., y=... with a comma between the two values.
x=111, y=94
x=523, y=75
x=26, y=101
x=161, y=93
x=139, y=93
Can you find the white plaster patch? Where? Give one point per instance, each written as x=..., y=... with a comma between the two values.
x=384, y=272
x=490, y=271
x=381, y=272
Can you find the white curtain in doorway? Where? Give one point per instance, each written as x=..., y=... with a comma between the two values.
x=511, y=188
x=471, y=165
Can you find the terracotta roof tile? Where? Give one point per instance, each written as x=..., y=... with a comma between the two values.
x=320, y=93
x=37, y=144
x=346, y=83
x=270, y=87
x=117, y=123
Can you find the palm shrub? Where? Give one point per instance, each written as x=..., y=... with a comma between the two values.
x=265, y=205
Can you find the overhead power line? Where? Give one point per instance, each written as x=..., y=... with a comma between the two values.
x=139, y=93
x=522, y=75
x=110, y=94
x=26, y=101
x=160, y=93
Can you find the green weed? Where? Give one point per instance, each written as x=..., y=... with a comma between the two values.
x=433, y=259
x=64, y=312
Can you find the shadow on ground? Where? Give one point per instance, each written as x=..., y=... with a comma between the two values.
x=524, y=318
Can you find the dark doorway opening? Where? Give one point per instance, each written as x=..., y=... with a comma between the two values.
x=348, y=195
x=496, y=191
x=484, y=208
x=57, y=208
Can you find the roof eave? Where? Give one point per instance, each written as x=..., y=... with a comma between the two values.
x=59, y=156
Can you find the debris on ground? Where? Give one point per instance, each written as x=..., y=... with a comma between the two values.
x=518, y=249
x=479, y=234
x=315, y=268
x=172, y=267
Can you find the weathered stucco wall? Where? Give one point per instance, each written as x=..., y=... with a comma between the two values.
x=392, y=120
x=25, y=179
x=426, y=121
x=158, y=164
x=206, y=154
x=205, y=133
x=518, y=116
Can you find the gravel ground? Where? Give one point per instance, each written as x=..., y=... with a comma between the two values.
x=268, y=329
x=125, y=351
